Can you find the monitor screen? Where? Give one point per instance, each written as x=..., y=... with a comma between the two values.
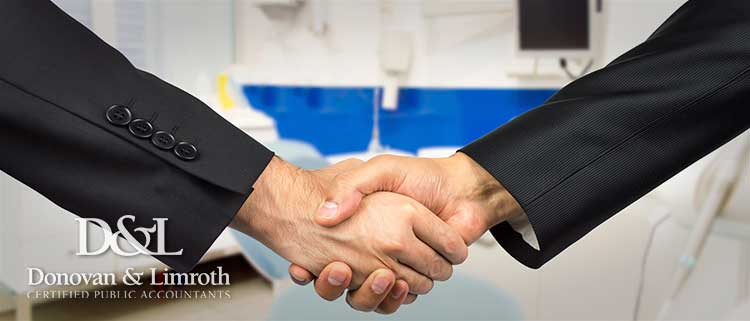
x=554, y=24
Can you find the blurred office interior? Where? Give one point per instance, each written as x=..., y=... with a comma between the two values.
x=412, y=77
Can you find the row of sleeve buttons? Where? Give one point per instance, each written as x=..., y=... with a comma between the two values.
x=141, y=128
x=186, y=151
x=163, y=140
x=121, y=116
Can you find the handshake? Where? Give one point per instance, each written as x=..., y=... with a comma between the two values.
x=385, y=229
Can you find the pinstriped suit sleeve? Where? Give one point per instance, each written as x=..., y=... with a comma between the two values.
x=609, y=138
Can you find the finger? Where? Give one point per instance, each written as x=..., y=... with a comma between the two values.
x=393, y=301
x=333, y=281
x=299, y=275
x=438, y=235
x=348, y=188
x=418, y=283
x=426, y=261
x=373, y=291
x=410, y=298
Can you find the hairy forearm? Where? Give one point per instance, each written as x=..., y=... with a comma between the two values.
x=282, y=188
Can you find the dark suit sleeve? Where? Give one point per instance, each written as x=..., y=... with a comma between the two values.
x=57, y=80
x=609, y=138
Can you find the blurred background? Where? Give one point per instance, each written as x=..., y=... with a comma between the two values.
x=319, y=81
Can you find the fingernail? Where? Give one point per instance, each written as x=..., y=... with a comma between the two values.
x=298, y=278
x=380, y=285
x=328, y=210
x=336, y=278
x=397, y=291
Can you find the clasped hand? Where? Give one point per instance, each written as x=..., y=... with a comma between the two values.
x=384, y=229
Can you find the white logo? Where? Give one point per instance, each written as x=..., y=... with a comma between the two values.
x=111, y=239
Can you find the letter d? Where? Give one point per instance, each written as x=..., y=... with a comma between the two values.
x=31, y=276
x=83, y=232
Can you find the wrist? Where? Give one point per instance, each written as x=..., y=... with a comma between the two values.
x=499, y=203
x=272, y=197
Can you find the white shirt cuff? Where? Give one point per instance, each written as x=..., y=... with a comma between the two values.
x=521, y=225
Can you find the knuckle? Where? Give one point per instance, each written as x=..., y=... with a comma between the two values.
x=423, y=286
x=410, y=209
x=455, y=250
x=381, y=158
x=450, y=247
x=353, y=161
x=440, y=270
x=419, y=285
x=394, y=246
x=474, y=223
x=408, y=213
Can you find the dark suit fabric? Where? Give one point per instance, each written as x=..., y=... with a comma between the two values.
x=57, y=81
x=612, y=136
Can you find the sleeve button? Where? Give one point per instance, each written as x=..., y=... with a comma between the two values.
x=186, y=151
x=141, y=128
x=119, y=115
x=163, y=140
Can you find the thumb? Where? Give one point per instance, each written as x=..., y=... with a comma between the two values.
x=348, y=188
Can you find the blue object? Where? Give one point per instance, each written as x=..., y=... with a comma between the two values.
x=339, y=119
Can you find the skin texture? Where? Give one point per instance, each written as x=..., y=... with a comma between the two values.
x=389, y=232
x=456, y=188
x=360, y=298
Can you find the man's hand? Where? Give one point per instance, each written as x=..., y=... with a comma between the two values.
x=390, y=231
x=456, y=188
x=362, y=299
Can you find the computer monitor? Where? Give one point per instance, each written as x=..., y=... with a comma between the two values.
x=558, y=28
